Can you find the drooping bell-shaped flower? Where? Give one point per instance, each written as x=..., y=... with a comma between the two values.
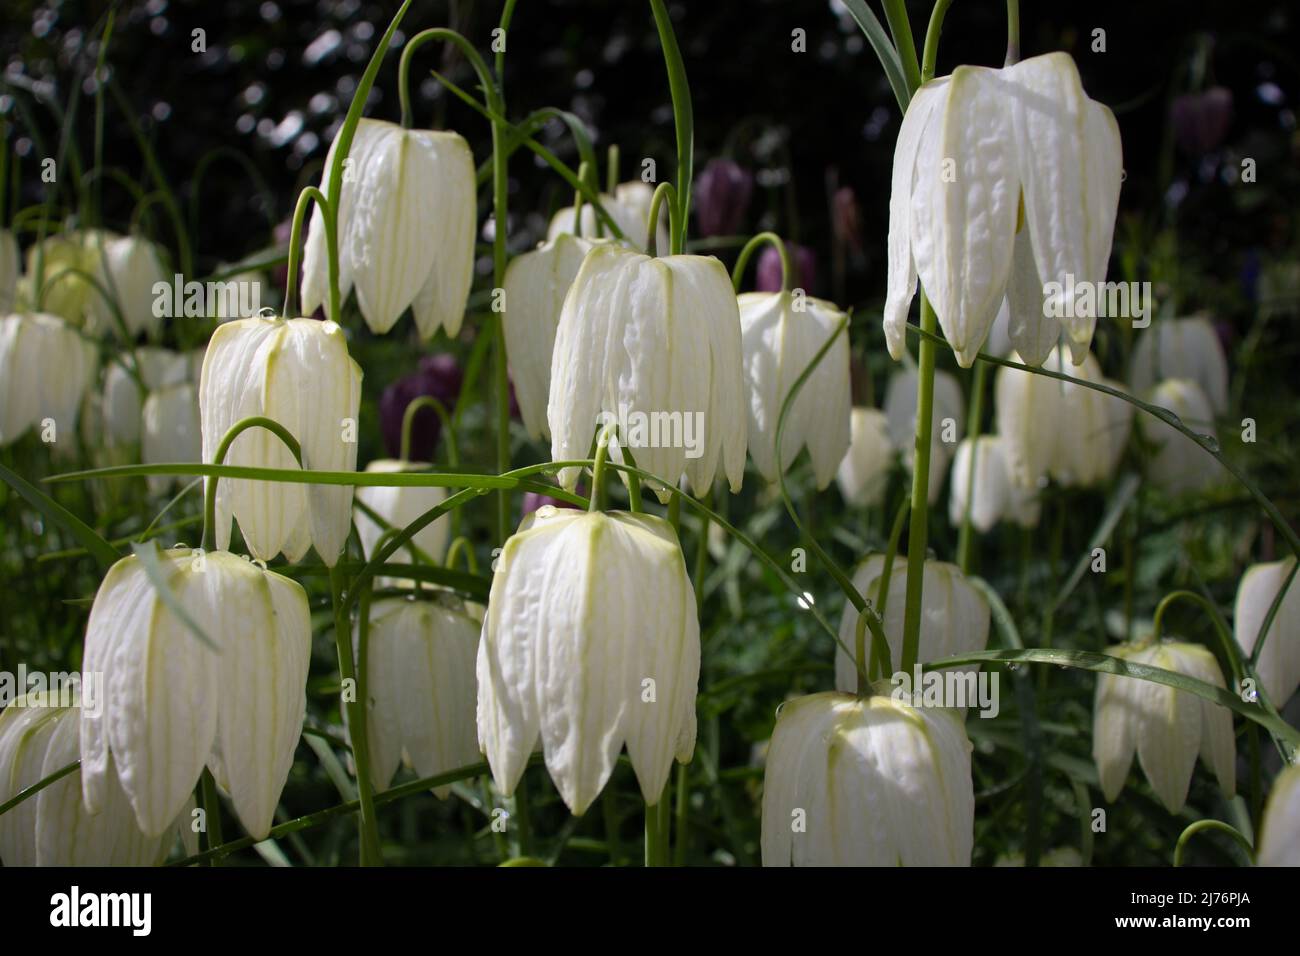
x=948, y=420
x=536, y=284
x=1167, y=728
x=769, y=274
x=174, y=704
x=40, y=734
x=406, y=228
x=45, y=369
x=1279, y=661
x=1071, y=432
x=171, y=431
x=867, y=781
x=629, y=207
x=1179, y=465
x=722, y=193
x=397, y=507
x=422, y=689
x=993, y=495
x=1201, y=120
x=127, y=269
x=954, y=616
x=10, y=270
x=780, y=334
x=591, y=640
x=298, y=373
x=864, y=470
x=67, y=258
x=1182, y=348
x=976, y=148
x=124, y=396
x=1279, y=835
x=653, y=345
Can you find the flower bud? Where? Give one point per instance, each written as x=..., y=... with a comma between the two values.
x=127, y=268
x=1201, y=120
x=722, y=193
x=802, y=261
x=867, y=781
x=172, y=432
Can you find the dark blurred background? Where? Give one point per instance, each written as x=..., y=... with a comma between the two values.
x=277, y=77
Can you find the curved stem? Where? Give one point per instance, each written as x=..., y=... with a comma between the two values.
x=918, y=526
x=462, y=544
x=932, y=40
x=413, y=407
x=742, y=260
x=235, y=430
x=1200, y=826
x=683, y=120
x=311, y=193
x=652, y=219
x=1232, y=653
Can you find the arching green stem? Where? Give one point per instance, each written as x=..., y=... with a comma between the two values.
x=742, y=260
x=235, y=430
x=652, y=220
x=932, y=32
x=683, y=121
x=1230, y=650
x=1200, y=826
x=460, y=546
x=449, y=427
x=310, y=194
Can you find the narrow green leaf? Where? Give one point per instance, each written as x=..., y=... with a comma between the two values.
x=102, y=551
x=884, y=49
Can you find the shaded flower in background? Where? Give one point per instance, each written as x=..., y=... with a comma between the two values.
x=437, y=375
x=722, y=193
x=1201, y=120
x=802, y=262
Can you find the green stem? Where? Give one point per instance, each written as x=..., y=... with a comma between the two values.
x=918, y=526
x=973, y=423
x=599, y=492
x=900, y=28
x=462, y=544
x=652, y=220
x=611, y=168
x=1013, y=32
x=413, y=407
x=311, y=193
x=368, y=825
x=235, y=430
x=683, y=120
x=932, y=39
x=1231, y=652
x=742, y=260
x=1201, y=826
